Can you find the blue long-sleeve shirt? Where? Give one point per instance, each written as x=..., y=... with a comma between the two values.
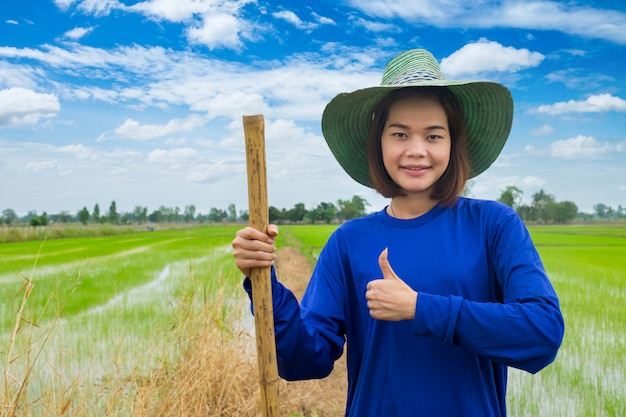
x=484, y=303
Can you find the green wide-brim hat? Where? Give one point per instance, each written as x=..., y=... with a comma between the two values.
x=487, y=106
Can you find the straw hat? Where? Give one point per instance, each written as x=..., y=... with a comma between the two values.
x=487, y=106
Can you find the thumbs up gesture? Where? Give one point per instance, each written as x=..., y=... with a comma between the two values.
x=390, y=298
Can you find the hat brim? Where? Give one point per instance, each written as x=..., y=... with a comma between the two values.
x=487, y=107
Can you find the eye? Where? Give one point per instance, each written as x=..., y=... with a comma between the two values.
x=398, y=135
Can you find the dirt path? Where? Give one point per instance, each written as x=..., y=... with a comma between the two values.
x=325, y=397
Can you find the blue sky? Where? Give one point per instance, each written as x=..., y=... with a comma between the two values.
x=141, y=101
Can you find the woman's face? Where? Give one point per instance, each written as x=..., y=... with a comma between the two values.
x=416, y=144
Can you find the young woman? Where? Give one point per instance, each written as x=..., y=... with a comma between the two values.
x=436, y=295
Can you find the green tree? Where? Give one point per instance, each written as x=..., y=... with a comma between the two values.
x=83, y=216
x=217, y=215
x=113, y=214
x=232, y=213
x=140, y=214
x=543, y=205
x=329, y=212
x=324, y=212
x=96, y=213
x=297, y=213
x=351, y=209
x=601, y=210
x=275, y=215
x=156, y=216
x=63, y=217
x=189, y=213
x=511, y=196
x=565, y=211
x=9, y=216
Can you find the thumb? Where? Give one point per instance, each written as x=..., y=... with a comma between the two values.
x=385, y=266
x=272, y=230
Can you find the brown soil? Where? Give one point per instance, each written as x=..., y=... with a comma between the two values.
x=324, y=397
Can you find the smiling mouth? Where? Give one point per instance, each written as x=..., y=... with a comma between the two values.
x=415, y=169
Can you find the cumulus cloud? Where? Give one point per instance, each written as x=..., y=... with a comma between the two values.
x=20, y=106
x=593, y=104
x=488, y=56
x=132, y=129
x=218, y=31
x=579, y=147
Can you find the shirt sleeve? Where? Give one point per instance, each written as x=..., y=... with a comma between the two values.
x=304, y=349
x=525, y=330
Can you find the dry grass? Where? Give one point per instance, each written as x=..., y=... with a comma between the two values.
x=215, y=373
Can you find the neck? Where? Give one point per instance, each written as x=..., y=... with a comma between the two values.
x=404, y=208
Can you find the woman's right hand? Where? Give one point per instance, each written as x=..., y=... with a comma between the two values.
x=254, y=249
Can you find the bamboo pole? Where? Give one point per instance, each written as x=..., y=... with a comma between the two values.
x=254, y=131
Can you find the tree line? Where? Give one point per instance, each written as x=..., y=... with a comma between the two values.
x=544, y=208
x=324, y=213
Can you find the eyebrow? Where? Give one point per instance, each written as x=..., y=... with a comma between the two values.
x=403, y=126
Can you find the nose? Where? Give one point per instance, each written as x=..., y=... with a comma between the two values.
x=417, y=147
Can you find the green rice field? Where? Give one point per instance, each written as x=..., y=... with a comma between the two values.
x=82, y=310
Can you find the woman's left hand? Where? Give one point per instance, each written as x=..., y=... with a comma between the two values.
x=390, y=298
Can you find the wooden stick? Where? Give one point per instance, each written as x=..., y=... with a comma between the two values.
x=254, y=131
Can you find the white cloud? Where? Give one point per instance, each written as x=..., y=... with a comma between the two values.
x=593, y=104
x=177, y=11
x=94, y=7
x=132, y=129
x=376, y=26
x=12, y=75
x=292, y=18
x=77, y=33
x=173, y=157
x=78, y=151
x=488, y=56
x=218, y=31
x=20, y=106
x=575, y=78
x=543, y=130
x=36, y=167
x=489, y=185
x=324, y=20
x=11, y=22
x=211, y=173
x=584, y=21
x=588, y=22
x=580, y=147
x=64, y=4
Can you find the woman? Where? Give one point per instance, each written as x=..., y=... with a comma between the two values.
x=436, y=295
